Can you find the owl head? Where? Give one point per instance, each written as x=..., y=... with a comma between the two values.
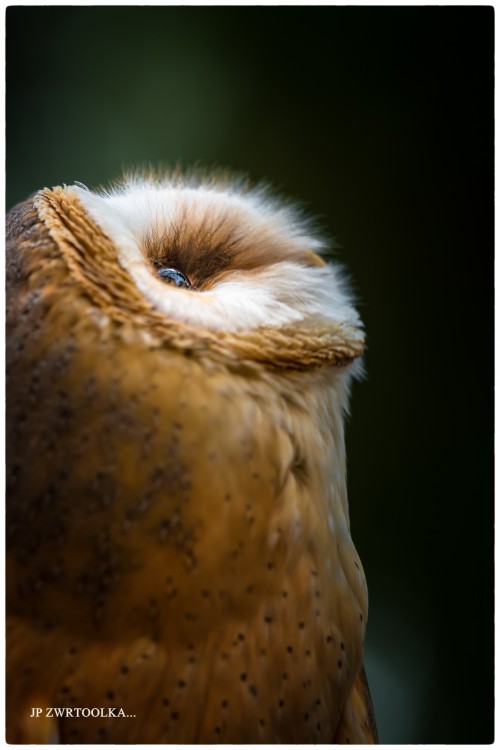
x=213, y=263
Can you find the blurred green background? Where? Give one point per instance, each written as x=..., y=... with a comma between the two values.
x=381, y=121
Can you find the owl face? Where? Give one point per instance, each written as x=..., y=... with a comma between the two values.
x=216, y=255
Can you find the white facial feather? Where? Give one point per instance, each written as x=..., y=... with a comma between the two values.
x=286, y=291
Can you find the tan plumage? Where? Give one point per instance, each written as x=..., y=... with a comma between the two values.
x=177, y=534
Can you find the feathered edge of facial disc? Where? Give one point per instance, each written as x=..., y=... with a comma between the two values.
x=269, y=295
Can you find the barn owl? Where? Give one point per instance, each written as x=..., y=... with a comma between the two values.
x=180, y=566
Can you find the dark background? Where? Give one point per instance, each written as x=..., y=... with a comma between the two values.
x=381, y=120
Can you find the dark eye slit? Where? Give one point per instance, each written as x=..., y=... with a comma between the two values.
x=174, y=276
x=171, y=275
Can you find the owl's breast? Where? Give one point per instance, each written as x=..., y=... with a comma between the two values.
x=190, y=517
